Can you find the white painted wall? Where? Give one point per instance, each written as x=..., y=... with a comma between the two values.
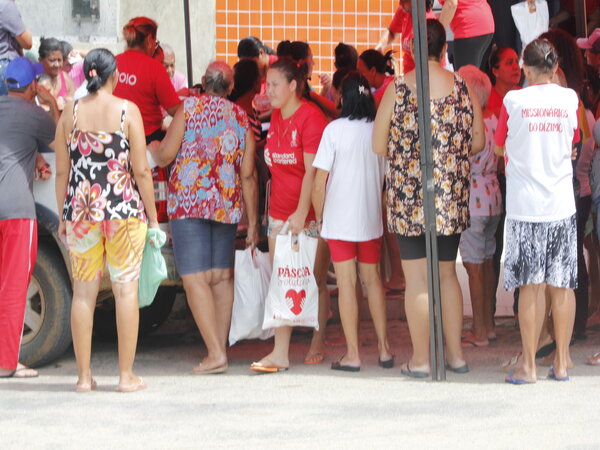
x=53, y=18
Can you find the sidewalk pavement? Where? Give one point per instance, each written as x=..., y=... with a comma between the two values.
x=306, y=406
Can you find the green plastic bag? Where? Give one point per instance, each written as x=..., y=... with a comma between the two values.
x=154, y=267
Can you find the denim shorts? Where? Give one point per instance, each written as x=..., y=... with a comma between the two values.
x=201, y=245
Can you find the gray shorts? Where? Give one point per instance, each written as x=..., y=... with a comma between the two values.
x=540, y=252
x=478, y=242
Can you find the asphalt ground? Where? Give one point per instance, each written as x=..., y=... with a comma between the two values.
x=308, y=406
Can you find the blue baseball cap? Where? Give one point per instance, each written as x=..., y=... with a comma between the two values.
x=21, y=72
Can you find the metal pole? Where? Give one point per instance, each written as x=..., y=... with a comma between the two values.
x=436, y=338
x=188, y=42
x=580, y=18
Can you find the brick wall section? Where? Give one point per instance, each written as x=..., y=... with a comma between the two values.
x=322, y=23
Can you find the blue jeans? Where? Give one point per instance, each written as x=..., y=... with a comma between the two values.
x=3, y=66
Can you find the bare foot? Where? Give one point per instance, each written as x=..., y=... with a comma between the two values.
x=316, y=352
x=86, y=386
x=273, y=360
x=133, y=384
x=210, y=363
x=314, y=357
x=20, y=372
x=549, y=360
x=348, y=361
x=384, y=352
x=519, y=376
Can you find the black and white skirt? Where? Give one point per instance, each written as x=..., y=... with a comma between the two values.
x=541, y=252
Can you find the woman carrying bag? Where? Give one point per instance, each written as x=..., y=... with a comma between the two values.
x=293, y=139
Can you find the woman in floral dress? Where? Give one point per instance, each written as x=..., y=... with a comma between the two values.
x=212, y=145
x=104, y=188
x=457, y=130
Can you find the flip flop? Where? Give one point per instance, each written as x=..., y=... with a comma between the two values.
x=86, y=387
x=594, y=360
x=552, y=376
x=214, y=370
x=22, y=372
x=388, y=363
x=132, y=387
x=472, y=342
x=344, y=368
x=512, y=380
x=413, y=373
x=545, y=350
x=461, y=369
x=317, y=358
x=258, y=367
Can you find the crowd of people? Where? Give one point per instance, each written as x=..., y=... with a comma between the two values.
x=513, y=137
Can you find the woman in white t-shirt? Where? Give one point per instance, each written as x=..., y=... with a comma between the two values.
x=537, y=126
x=347, y=200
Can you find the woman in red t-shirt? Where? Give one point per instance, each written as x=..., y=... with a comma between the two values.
x=472, y=23
x=142, y=77
x=292, y=141
x=402, y=24
x=377, y=70
x=505, y=74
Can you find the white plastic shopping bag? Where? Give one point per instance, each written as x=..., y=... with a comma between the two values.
x=252, y=273
x=293, y=298
x=531, y=19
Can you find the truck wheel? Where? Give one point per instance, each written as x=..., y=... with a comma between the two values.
x=47, y=330
x=151, y=317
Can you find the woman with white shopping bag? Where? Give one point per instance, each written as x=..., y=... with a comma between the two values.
x=348, y=168
x=292, y=141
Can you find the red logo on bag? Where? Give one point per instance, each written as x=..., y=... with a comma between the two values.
x=295, y=300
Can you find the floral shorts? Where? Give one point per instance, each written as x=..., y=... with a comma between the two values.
x=116, y=243
x=311, y=228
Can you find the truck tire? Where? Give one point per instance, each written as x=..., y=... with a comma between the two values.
x=151, y=317
x=47, y=331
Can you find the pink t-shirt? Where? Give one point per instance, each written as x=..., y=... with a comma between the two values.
x=472, y=18
x=179, y=81
x=76, y=74
x=402, y=23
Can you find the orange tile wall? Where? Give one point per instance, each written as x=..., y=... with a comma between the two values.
x=321, y=23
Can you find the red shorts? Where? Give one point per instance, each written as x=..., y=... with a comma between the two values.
x=367, y=252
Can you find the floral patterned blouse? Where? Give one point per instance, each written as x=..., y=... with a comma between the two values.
x=205, y=177
x=451, y=130
x=101, y=184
